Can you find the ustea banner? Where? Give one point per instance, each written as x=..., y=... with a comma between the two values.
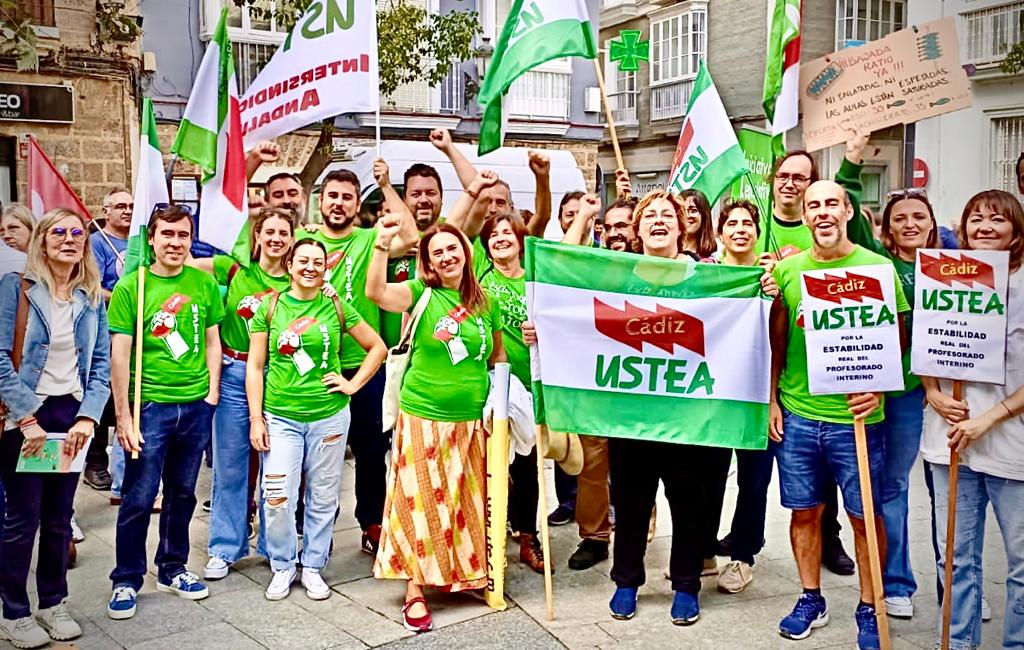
x=326, y=66
x=852, y=332
x=960, y=315
x=677, y=351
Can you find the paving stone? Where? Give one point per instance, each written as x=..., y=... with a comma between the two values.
x=219, y=636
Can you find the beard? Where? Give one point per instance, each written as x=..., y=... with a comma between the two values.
x=616, y=243
x=424, y=220
x=338, y=222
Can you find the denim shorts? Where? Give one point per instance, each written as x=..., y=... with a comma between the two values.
x=814, y=453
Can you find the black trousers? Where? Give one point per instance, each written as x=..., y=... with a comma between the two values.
x=36, y=502
x=370, y=446
x=690, y=475
x=96, y=457
x=522, y=498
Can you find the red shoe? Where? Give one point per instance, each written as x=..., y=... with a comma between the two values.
x=370, y=541
x=417, y=625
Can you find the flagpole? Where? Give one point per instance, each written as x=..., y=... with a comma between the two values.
x=106, y=238
x=377, y=128
x=545, y=537
x=608, y=115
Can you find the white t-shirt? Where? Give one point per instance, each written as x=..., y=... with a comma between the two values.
x=60, y=372
x=1000, y=452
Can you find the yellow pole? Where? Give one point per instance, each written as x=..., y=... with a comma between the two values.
x=874, y=559
x=545, y=539
x=497, y=491
x=608, y=115
x=954, y=478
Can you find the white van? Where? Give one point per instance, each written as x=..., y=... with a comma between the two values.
x=510, y=163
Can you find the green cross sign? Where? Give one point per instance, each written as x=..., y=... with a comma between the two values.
x=629, y=50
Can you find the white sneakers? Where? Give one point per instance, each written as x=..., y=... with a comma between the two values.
x=281, y=584
x=216, y=569
x=36, y=631
x=316, y=588
x=899, y=606
x=77, y=536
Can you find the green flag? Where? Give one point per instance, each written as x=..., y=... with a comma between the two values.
x=536, y=32
x=150, y=190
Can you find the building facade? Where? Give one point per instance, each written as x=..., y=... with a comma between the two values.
x=82, y=103
x=976, y=148
x=649, y=105
x=554, y=105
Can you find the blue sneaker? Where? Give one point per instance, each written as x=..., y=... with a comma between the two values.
x=623, y=604
x=867, y=628
x=810, y=612
x=122, y=603
x=685, y=608
x=187, y=585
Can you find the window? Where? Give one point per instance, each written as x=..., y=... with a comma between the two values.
x=873, y=180
x=41, y=11
x=988, y=34
x=1007, y=145
x=622, y=90
x=862, y=21
x=678, y=43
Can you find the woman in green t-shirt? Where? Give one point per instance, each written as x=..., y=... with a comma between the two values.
x=434, y=525
x=504, y=279
x=235, y=464
x=300, y=415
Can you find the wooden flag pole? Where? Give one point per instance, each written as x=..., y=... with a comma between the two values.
x=545, y=539
x=947, y=582
x=874, y=559
x=608, y=115
x=140, y=308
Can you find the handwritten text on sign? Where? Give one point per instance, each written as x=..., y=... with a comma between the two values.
x=908, y=76
x=852, y=332
x=960, y=315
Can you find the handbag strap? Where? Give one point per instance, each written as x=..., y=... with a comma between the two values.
x=20, y=323
x=414, y=320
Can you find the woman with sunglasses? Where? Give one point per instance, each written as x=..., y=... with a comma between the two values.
x=233, y=507
x=986, y=427
x=60, y=386
x=300, y=413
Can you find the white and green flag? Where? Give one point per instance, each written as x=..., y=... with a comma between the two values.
x=708, y=157
x=536, y=31
x=648, y=348
x=150, y=190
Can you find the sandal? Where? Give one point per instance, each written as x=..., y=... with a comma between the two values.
x=417, y=625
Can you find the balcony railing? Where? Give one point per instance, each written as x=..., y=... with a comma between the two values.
x=670, y=100
x=540, y=94
x=249, y=60
x=988, y=34
x=623, y=105
x=452, y=90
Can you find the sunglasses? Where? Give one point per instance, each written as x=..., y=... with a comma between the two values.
x=905, y=193
x=60, y=232
x=160, y=207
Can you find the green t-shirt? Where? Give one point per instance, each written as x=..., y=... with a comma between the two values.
x=348, y=259
x=245, y=291
x=400, y=269
x=787, y=238
x=447, y=376
x=177, y=313
x=511, y=296
x=794, y=392
x=302, y=346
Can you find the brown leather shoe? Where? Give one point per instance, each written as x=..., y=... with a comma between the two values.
x=530, y=552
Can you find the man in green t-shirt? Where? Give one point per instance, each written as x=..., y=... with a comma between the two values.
x=180, y=380
x=348, y=255
x=813, y=434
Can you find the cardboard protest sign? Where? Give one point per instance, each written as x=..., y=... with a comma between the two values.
x=960, y=315
x=908, y=76
x=852, y=331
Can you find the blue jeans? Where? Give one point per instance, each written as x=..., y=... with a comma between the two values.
x=753, y=475
x=975, y=491
x=316, y=450
x=565, y=489
x=229, y=514
x=812, y=451
x=904, y=416
x=175, y=437
x=116, y=468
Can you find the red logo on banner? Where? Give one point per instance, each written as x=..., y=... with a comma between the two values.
x=965, y=270
x=852, y=286
x=663, y=328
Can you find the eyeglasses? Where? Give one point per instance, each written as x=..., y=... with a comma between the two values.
x=905, y=193
x=122, y=207
x=797, y=179
x=60, y=233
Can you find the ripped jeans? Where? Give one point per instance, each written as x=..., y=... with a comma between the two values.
x=316, y=450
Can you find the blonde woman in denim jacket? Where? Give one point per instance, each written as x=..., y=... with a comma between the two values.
x=61, y=386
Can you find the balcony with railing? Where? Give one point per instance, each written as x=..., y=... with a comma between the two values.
x=623, y=105
x=452, y=91
x=670, y=100
x=988, y=34
x=540, y=94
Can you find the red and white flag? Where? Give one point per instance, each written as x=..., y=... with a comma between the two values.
x=782, y=66
x=47, y=189
x=210, y=136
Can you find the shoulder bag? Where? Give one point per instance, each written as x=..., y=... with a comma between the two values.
x=20, y=324
x=398, y=362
